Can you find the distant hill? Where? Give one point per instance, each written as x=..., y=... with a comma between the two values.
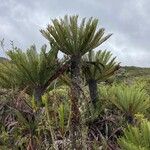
x=3, y=59
x=133, y=71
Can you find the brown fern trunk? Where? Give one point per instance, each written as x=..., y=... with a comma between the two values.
x=93, y=91
x=38, y=92
x=75, y=126
x=32, y=144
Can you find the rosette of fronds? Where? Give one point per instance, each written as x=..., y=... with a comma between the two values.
x=31, y=70
x=75, y=38
x=129, y=99
x=98, y=67
x=136, y=138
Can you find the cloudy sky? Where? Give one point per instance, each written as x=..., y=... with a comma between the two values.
x=128, y=20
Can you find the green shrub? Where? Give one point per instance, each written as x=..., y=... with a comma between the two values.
x=136, y=138
x=146, y=82
x=129, y=99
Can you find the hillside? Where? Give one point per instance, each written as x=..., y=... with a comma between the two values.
x=3, y=59
x=133, y=71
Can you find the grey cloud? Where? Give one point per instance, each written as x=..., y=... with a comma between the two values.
x=128, y=20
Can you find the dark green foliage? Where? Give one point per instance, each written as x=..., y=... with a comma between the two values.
x=98, y=67
x=31, y=70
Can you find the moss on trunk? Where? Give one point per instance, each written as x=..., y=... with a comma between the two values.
x=93, y=91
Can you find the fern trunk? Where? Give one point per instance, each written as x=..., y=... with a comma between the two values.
x=130, y=118
x=93, y=91
x=75, y=126
x=38, y=92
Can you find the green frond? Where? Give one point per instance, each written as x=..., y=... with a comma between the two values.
x=73, y=37
x=101, y=65
x=28, y=68
x=136, y=138
x=129, y=99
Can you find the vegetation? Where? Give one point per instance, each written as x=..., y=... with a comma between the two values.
x=75, y=40
x=130, y=99
x=83, y=101
x=98, y=67
x=27, y=70
x=136, y=138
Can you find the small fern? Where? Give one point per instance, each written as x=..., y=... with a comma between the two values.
x=130, y=99
x=136, y=138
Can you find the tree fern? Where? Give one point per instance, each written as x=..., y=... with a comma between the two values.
x=75, y=39
x=98, y=67
x=32, y=70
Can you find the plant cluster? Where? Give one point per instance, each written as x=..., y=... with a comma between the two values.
x=81, y=101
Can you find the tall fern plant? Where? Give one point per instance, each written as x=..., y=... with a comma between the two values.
x=32, y=70
x=98, y=67
x=74, y=39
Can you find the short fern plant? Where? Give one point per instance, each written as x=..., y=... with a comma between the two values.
x=136, y=138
